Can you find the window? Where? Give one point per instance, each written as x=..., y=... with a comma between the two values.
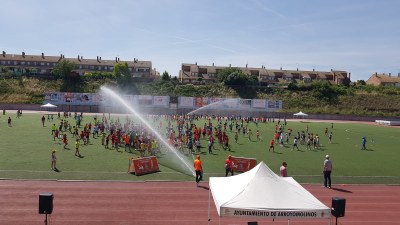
x=48, y=64
x=42, y=64
x=29, y=63
x=141, y=70
x=91, y=67
x=23, y=63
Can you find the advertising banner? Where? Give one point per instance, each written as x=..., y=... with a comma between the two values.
x=201, y=101
x=241, y=164
x=70, y=98
x=161, y=101
x=144, y=100
x=258, y=103
x=186, y=102
x=144, y=165
x=214, y=99
x=244, y=103
x=273, y=104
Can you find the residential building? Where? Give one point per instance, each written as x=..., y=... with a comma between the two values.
x=201, y=74
x=384, y=80
x=43, y=64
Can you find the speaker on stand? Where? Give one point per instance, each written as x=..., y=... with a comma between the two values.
x=46, y=204
x=338, y=207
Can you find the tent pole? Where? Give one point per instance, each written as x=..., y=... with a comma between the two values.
x=288, y=222
x=219, y=220
x=209, y=199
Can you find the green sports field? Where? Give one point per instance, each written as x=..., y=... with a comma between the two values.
x=26, y=149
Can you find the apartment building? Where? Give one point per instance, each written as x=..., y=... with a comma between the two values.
x=384, y=80
x=43, y=64
x=202, y=74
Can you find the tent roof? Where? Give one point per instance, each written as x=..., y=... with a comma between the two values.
x=48, y=105
x=261, y=189
x=300, y=114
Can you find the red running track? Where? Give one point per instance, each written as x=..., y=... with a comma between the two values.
x=171, y=203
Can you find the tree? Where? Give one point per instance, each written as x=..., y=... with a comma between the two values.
x=253, y=80
x=292, y=86
x=200, y=78
x=64, y=68
x=224, y=73
x=165, y=76
x=122, y=73
x=232, y=76
x=174, y=80
x=361, y=82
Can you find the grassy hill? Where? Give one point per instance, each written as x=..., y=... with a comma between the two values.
x=319, y=97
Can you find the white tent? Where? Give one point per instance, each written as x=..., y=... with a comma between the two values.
x=48, y=105
x=300, y=114
x=260, y=193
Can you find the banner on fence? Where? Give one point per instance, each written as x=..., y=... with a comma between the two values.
x=214, y=103
x=201, y=101
x=258, y=103
x=186, y=102
x=144, y=165
x=161, y=101
x=241, y=164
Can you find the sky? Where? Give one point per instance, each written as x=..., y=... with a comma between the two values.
x=358, y=36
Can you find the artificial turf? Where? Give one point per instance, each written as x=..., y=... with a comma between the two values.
x=25, y=153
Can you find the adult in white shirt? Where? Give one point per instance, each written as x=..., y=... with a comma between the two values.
x=327, y=172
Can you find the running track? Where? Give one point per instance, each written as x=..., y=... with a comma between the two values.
x=171, y=203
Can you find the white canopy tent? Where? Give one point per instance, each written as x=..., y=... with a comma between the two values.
x=300, y=114
x=260, y=193
x=48, y=105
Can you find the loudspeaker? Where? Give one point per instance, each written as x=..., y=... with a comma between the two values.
x=45, y=203
x=252, y=223
x=338, y=206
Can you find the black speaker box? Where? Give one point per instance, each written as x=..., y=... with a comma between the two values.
x=46, y=203
x=252, y=223
x=338, y=206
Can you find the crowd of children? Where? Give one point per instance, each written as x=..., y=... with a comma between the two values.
x=181, y=132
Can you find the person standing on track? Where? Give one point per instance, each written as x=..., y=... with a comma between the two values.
x=198, y=167
x=327, y=172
